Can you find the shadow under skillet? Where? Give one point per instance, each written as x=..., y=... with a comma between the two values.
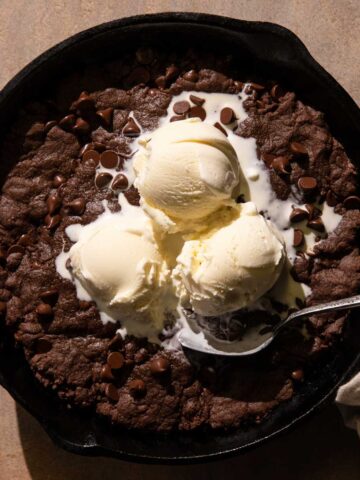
x=320, y=449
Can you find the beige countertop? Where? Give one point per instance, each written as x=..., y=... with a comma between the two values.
x=320, y=449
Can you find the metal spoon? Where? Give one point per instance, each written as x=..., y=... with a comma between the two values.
x=258, y=342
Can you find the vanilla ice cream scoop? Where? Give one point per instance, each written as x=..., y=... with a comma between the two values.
x=232, y=266
x=186, y=170
x=118, y=263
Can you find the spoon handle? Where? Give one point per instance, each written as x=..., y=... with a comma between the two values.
x=344, y=303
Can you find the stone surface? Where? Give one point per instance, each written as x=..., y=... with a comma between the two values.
x=320, y=449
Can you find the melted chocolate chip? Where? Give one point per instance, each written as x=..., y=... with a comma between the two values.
x=191, y=76
x=106, y=116
x=316, y=224
x=307, y=184
x=137, y=387
x=197, y=112
x=49, y=296
x=44, y=310
x=106, y=374
x=281, y=165
x=102, y=180
x=120, y=182
x=52, y=222
x=68, y=122
x=159, y=366
x=197, y=100
x=352, y=202
x=58, y=180
x=181, y=107
x=77, y=206
x=221, y=128
x=176, y=118
x=109, y=159
x=298, y=149
x=298, y=215
x=298, y=238
x=112, y=392
x=297, y=375
x=131, y=129
x=115, y=360
x=81, y=126
x=91, y=157
x=116, y=342
x=227, y=116
x=53, y=203
x=49, y=125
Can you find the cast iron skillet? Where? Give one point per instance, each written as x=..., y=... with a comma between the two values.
x=263, y=49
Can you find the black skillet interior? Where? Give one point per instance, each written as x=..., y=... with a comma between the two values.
x=260, y=50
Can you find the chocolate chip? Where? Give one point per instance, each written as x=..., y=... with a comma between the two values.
x=109, y=159
x=221, y=128
x=132, y=196
x=298, y=238
x=2, y=308
x=67, y=122
x=331, y=198
x=86, y=147
x=171, y=72
x=191, y=76
x=144, y=55
x=131, y=129
x=197, y=100
x=159, y=366
x=116, y=342
x=42, y=345
x=277, y=92
x=58, y=180
x=176, y=118
x=106, y=116
x=112, y=392
x=120, y=182
x=314, y=212
x=85, y=102
x=137, y=387
x=298, y=149
x=49, y=296
x=49, y=125
x=257, y=86
x=106, y=374
x=77, y=206
x=227, y=116
x=298, y=215
x=267, y=158
x=298, y=375
x=52, y=222
x=16, y=249
x=307, y=184
x=115, y=360
x=81, y=126
x=181, y=107
x=25, y=239
x=161, y=82
x=316, y=224
x=44, y=310
x=53, y=203
x=197, y=112
x=103, y=179
x=281, y=165
x=91, y=157
x=352, y=202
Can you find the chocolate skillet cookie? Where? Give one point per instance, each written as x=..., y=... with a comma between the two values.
x=71, y=153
